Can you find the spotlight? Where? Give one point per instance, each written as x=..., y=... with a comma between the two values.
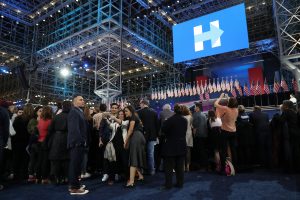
x=85, y=65
x=65, y=72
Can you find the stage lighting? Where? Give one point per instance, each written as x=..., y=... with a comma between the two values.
x=85, y=65
x=65, y=72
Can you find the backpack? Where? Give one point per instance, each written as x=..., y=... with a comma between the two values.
x=104, y=131
x=229, y=169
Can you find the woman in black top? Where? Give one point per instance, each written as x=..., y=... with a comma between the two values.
x=136, y=142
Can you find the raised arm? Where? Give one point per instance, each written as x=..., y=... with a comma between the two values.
x=217, y=103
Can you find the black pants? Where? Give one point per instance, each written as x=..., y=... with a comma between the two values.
x=34, y=156
x=59, y=169
x=176, y=163
x=76, y=158
x=1, y=161
x=43, y=163
x=227, y=139
x=200, y=152
x=20, y=161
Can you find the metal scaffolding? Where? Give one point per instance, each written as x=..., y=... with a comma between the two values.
x=288, y=26
x=126, y=44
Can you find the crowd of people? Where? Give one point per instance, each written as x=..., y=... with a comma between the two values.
x=40, y=145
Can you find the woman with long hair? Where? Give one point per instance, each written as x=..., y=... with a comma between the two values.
x=189, y=136
x=43, y=165
x=214, y=124
x=136, y=142
x=228, y=115
x=57, y=143
x=20, y=141
x=32, y=146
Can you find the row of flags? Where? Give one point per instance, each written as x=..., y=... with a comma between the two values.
x=206, y=88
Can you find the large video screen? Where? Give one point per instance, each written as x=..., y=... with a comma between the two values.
x=216, y=33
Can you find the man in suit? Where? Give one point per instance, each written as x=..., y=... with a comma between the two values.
x=77, y=143
x=163, y=116
x=262, y=134
x=150, y=123
x=4, y=133
x=174, y=147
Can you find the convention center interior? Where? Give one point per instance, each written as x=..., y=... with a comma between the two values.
x=148, y=99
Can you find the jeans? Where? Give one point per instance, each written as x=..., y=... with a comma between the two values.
x=150, y=157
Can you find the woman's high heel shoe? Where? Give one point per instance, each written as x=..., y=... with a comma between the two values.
x=130, y=185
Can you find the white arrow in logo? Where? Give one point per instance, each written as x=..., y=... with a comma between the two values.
x=214, y=35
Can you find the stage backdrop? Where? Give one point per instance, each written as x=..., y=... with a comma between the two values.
x=256, y=74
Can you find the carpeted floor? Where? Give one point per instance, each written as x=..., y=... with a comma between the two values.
x=198, y=185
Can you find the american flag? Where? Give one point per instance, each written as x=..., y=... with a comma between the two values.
x=214, y=87
x=179, y=91
x=218, y=86
x=152, y=94
x=227, y=85
x=175, y=91
x=198, y=88
x=186, y=90
x=258, y=88
x=266, y=87
x=182, y=89
x=276, y=86
x=223, y=86
x=239, y=89
x=194, y=89
x=295, y=85
x=201, y=97
x=246, y=90
x=284, y=85
x=190, y=89
x=206, y=95
x=233, y=92
x=252, y=89
x=155, y=94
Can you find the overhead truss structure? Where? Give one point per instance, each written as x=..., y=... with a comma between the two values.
x=288, y=26
x=127, y=43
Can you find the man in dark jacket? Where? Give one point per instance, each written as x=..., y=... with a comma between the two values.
x=262, y=134
x=150, y=123
x=77, y=142
x=174, y=147
x=4, y=133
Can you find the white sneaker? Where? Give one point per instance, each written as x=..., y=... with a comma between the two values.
x=78, y=192
x=105, y=177
x=86, y=175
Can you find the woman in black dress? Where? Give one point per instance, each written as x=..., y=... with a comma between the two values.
x=136, y=142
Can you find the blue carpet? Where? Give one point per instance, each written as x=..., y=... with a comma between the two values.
x=198, y=185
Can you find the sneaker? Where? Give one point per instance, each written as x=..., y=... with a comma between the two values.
x=105, y=177
x=78, y=191
x=86, y=175
x=82, y=187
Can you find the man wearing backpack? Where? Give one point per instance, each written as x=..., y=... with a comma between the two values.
x=105, y=133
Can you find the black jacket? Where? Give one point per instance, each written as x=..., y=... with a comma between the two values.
x=150, y=123
x=57, y=137
x=21, y=138
x=175, y=132
x=77, y=131
x=4, y=126
x=260, y=123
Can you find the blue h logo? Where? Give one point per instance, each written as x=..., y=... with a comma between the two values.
x=214, y=35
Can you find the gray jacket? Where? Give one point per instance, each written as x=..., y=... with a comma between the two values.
x=200, y=124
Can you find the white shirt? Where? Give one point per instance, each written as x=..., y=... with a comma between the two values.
x=216, y=123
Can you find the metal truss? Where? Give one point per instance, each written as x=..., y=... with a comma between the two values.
x=130, y=42
x=288, y=26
